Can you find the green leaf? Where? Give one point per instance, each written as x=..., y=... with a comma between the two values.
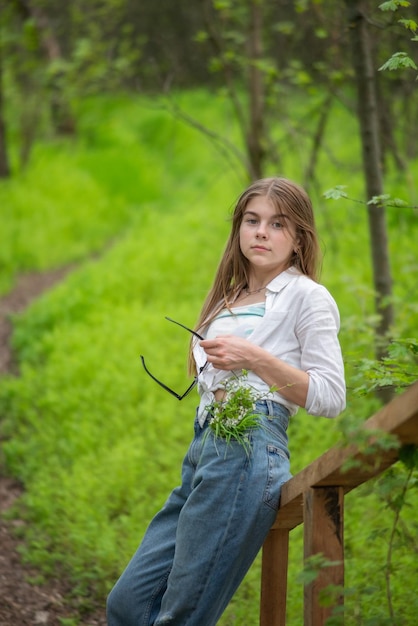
x=393, y=5
x=398, y=202
x=388, y=200
x=335, y=193
x=234, y=415
x=397, y=61
x=409, y=24
x=379, y=199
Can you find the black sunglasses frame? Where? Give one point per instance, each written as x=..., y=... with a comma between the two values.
x=194, y=383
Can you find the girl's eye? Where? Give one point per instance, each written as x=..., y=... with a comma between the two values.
x=251, y=220
x=278, y=225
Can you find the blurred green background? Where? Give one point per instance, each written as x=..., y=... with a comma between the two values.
x=137, y=202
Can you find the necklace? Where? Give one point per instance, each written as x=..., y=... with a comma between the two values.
x=249, y=293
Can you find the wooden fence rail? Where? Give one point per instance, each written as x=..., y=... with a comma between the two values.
x=315, y=497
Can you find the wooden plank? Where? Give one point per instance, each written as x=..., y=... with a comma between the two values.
x=399, y=417
x=274, y=579
x=324, y=534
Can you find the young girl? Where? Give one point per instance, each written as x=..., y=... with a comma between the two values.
x=268, y=324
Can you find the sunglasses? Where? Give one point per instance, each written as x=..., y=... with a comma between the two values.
x=179, y=396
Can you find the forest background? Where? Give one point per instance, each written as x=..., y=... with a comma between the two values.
x=127, y=130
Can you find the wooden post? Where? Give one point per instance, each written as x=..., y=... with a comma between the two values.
x=315, y=497
x=323, y=533
x=274, y=578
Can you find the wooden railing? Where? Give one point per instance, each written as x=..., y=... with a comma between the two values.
x=315, y=497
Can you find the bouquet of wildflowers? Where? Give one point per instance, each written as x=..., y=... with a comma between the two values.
x=232, y=417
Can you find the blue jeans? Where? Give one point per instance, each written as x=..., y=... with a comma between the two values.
x=198, y=548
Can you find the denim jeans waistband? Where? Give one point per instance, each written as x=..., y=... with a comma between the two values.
x=272, y=408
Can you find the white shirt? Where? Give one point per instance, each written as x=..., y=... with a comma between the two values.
x=300, y=327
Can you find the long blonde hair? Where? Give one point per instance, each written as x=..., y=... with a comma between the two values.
x=232, y=274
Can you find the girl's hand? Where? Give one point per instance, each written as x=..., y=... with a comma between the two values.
x=229, y=352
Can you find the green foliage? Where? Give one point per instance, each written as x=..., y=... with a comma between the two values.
x=96, y=444
x=408, y=455
x=386, y=199
x=398, y=60
x=80, y=336
x=372, y=444
x=409, y=24
x=313, y=567
x=398, y=369
x=234, y=416
x=393, y=5
x=75, y=199
x=335, y=193
x=35, y=235
x=68, y=621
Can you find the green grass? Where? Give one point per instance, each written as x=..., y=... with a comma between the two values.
x=75, y=198
x=95, y=442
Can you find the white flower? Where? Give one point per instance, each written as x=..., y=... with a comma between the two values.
x=235, y=414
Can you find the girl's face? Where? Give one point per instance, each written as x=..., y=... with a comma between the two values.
x=267, y=238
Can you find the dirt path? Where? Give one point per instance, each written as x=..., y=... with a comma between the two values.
x=23, y=603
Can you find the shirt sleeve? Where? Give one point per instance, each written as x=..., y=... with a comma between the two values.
x=317, y=330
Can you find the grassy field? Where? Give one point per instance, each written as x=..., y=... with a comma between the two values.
x=141, y=203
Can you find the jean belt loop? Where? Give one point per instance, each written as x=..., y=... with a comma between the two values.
x=270, y=408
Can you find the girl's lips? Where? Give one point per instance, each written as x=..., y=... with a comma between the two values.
x=260, y=248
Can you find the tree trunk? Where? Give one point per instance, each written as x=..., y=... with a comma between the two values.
x=365, y=75
x=4, y=160
x=255, y=91
x=317, y=140
x=387, y=125
x=61, y=113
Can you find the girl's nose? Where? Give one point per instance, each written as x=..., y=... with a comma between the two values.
x=261, y=231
